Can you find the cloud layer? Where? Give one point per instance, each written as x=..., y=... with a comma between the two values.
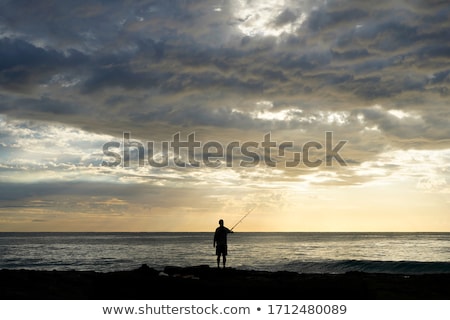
x=75, y=75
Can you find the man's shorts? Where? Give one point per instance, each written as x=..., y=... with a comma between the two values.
x=221, y=249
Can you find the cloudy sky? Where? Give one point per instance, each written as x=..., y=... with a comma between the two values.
x=76, y=75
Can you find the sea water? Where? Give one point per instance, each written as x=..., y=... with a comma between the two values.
x=409, y=253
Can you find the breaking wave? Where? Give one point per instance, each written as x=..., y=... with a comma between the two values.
x=343, y=266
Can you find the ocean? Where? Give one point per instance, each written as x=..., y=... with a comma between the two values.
x=406, y=253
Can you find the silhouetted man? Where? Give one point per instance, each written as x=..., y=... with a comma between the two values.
x=220, y=243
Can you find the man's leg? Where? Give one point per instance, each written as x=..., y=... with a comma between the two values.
x=218, y=260
x=224, y=260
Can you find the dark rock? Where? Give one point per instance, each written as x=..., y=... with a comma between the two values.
x=205, y=283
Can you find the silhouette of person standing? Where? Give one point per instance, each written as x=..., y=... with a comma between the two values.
x=220, y=243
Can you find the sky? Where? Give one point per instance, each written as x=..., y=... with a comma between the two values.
x=317, y=115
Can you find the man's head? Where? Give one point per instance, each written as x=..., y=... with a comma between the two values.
x=221, y=222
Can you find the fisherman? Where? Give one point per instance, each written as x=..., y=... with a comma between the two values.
x=220, y=243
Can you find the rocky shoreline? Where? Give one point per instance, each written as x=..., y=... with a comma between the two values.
x=206, y=283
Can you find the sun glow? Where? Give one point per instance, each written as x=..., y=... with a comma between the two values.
x=267, y=18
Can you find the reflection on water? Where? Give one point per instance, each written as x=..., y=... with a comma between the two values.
x=263, y=251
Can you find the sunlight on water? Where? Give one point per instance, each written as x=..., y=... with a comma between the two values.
x=299, y=252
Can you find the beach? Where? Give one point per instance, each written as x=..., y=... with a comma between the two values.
x=209, y=283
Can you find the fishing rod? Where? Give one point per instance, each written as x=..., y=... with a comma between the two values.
x=248, y=212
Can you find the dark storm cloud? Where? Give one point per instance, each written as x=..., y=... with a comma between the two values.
x=196, y=115
x=44, y=105
x=323, y=19
x=24, y=66
x=285, y=17
x=185, y=64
